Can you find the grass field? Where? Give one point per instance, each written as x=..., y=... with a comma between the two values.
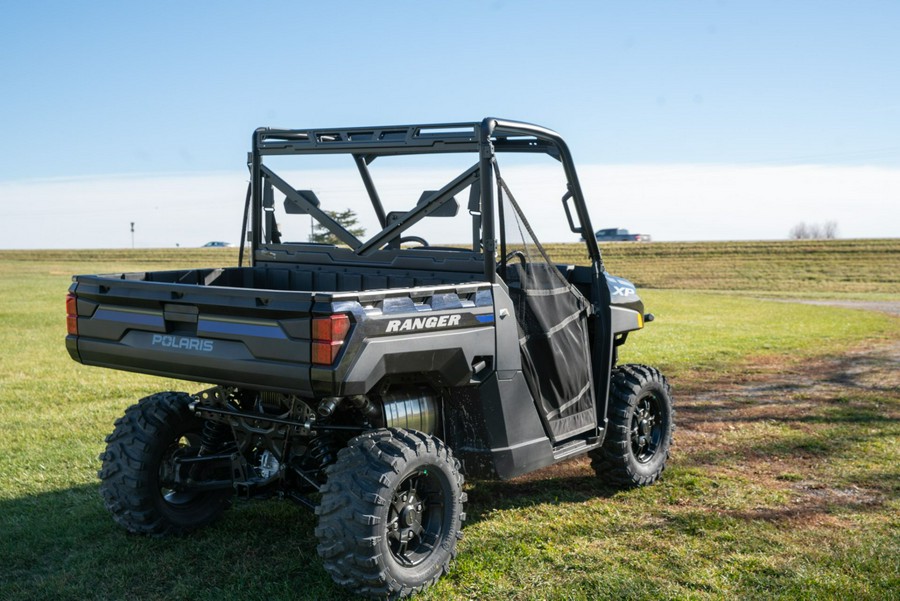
x=801, y=268
x=784, y=480
x=806, y=268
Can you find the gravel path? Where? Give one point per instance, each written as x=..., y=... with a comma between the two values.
x=890, y=307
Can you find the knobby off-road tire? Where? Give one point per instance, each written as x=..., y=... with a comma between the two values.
x=391, y=513
x=138, y=458
x=641, y=425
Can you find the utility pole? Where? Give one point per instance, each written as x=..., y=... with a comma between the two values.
x=132, y=234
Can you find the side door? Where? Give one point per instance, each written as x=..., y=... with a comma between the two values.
x=552, y=317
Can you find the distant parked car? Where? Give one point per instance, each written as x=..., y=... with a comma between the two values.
x=217, y=244
x=620, y=235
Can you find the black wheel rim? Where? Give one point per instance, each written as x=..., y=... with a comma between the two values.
x=415, y=518
x=646, y=428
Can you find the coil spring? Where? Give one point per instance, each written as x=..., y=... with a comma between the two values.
x=320, y=453
x=214, y=436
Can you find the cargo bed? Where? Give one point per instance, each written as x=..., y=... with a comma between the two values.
x=243, y=326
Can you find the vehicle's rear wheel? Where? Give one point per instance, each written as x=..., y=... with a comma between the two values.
x=391, y=513
x=641, y=424
x=140, y=483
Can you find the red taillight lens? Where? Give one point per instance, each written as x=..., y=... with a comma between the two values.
x=328, y=334
x=72, y=314
x=324, y=353
x=333, y=328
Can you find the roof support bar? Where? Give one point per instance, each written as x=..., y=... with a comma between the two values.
x=321, y=216
x=392, y=231
x=370, y=188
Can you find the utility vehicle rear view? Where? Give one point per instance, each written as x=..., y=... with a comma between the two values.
x=364, y=379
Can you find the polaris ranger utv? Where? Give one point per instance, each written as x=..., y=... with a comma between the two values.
x=363, y=379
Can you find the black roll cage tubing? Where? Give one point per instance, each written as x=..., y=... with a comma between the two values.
x=365, y=144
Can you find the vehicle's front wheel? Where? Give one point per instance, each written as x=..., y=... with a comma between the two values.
x=140, y=479
x=641, y=424
x=391, y=513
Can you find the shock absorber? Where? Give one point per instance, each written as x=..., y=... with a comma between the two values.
x=321, y=452
x=213, y=437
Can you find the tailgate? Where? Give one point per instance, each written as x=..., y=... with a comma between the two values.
x=222, y=335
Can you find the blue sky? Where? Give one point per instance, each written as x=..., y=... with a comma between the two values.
x=151, y=90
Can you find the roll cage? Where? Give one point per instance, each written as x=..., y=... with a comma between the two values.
x=485, y=139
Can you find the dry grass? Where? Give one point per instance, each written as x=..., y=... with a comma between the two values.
x=799, y=268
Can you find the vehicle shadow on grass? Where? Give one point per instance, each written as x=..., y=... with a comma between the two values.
x=570, y=482
x=64, y=545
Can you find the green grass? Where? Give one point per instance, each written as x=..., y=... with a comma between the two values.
x=794, y=500
x=706, y=331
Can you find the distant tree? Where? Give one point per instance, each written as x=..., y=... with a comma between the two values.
x=814, y=231
x=799, y=232
x=347, y=218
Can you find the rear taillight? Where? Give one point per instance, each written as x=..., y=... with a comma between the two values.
x=328, y=334
x=72, y=314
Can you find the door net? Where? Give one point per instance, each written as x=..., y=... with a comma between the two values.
x=552, y=317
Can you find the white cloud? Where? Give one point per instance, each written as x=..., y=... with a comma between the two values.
x=96, y=212
x=670, y=202
x=700, y=202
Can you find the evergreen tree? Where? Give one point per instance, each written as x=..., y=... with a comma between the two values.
x=347, y=218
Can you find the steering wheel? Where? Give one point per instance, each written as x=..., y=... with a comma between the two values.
x=416, y=239
x=516, y=254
